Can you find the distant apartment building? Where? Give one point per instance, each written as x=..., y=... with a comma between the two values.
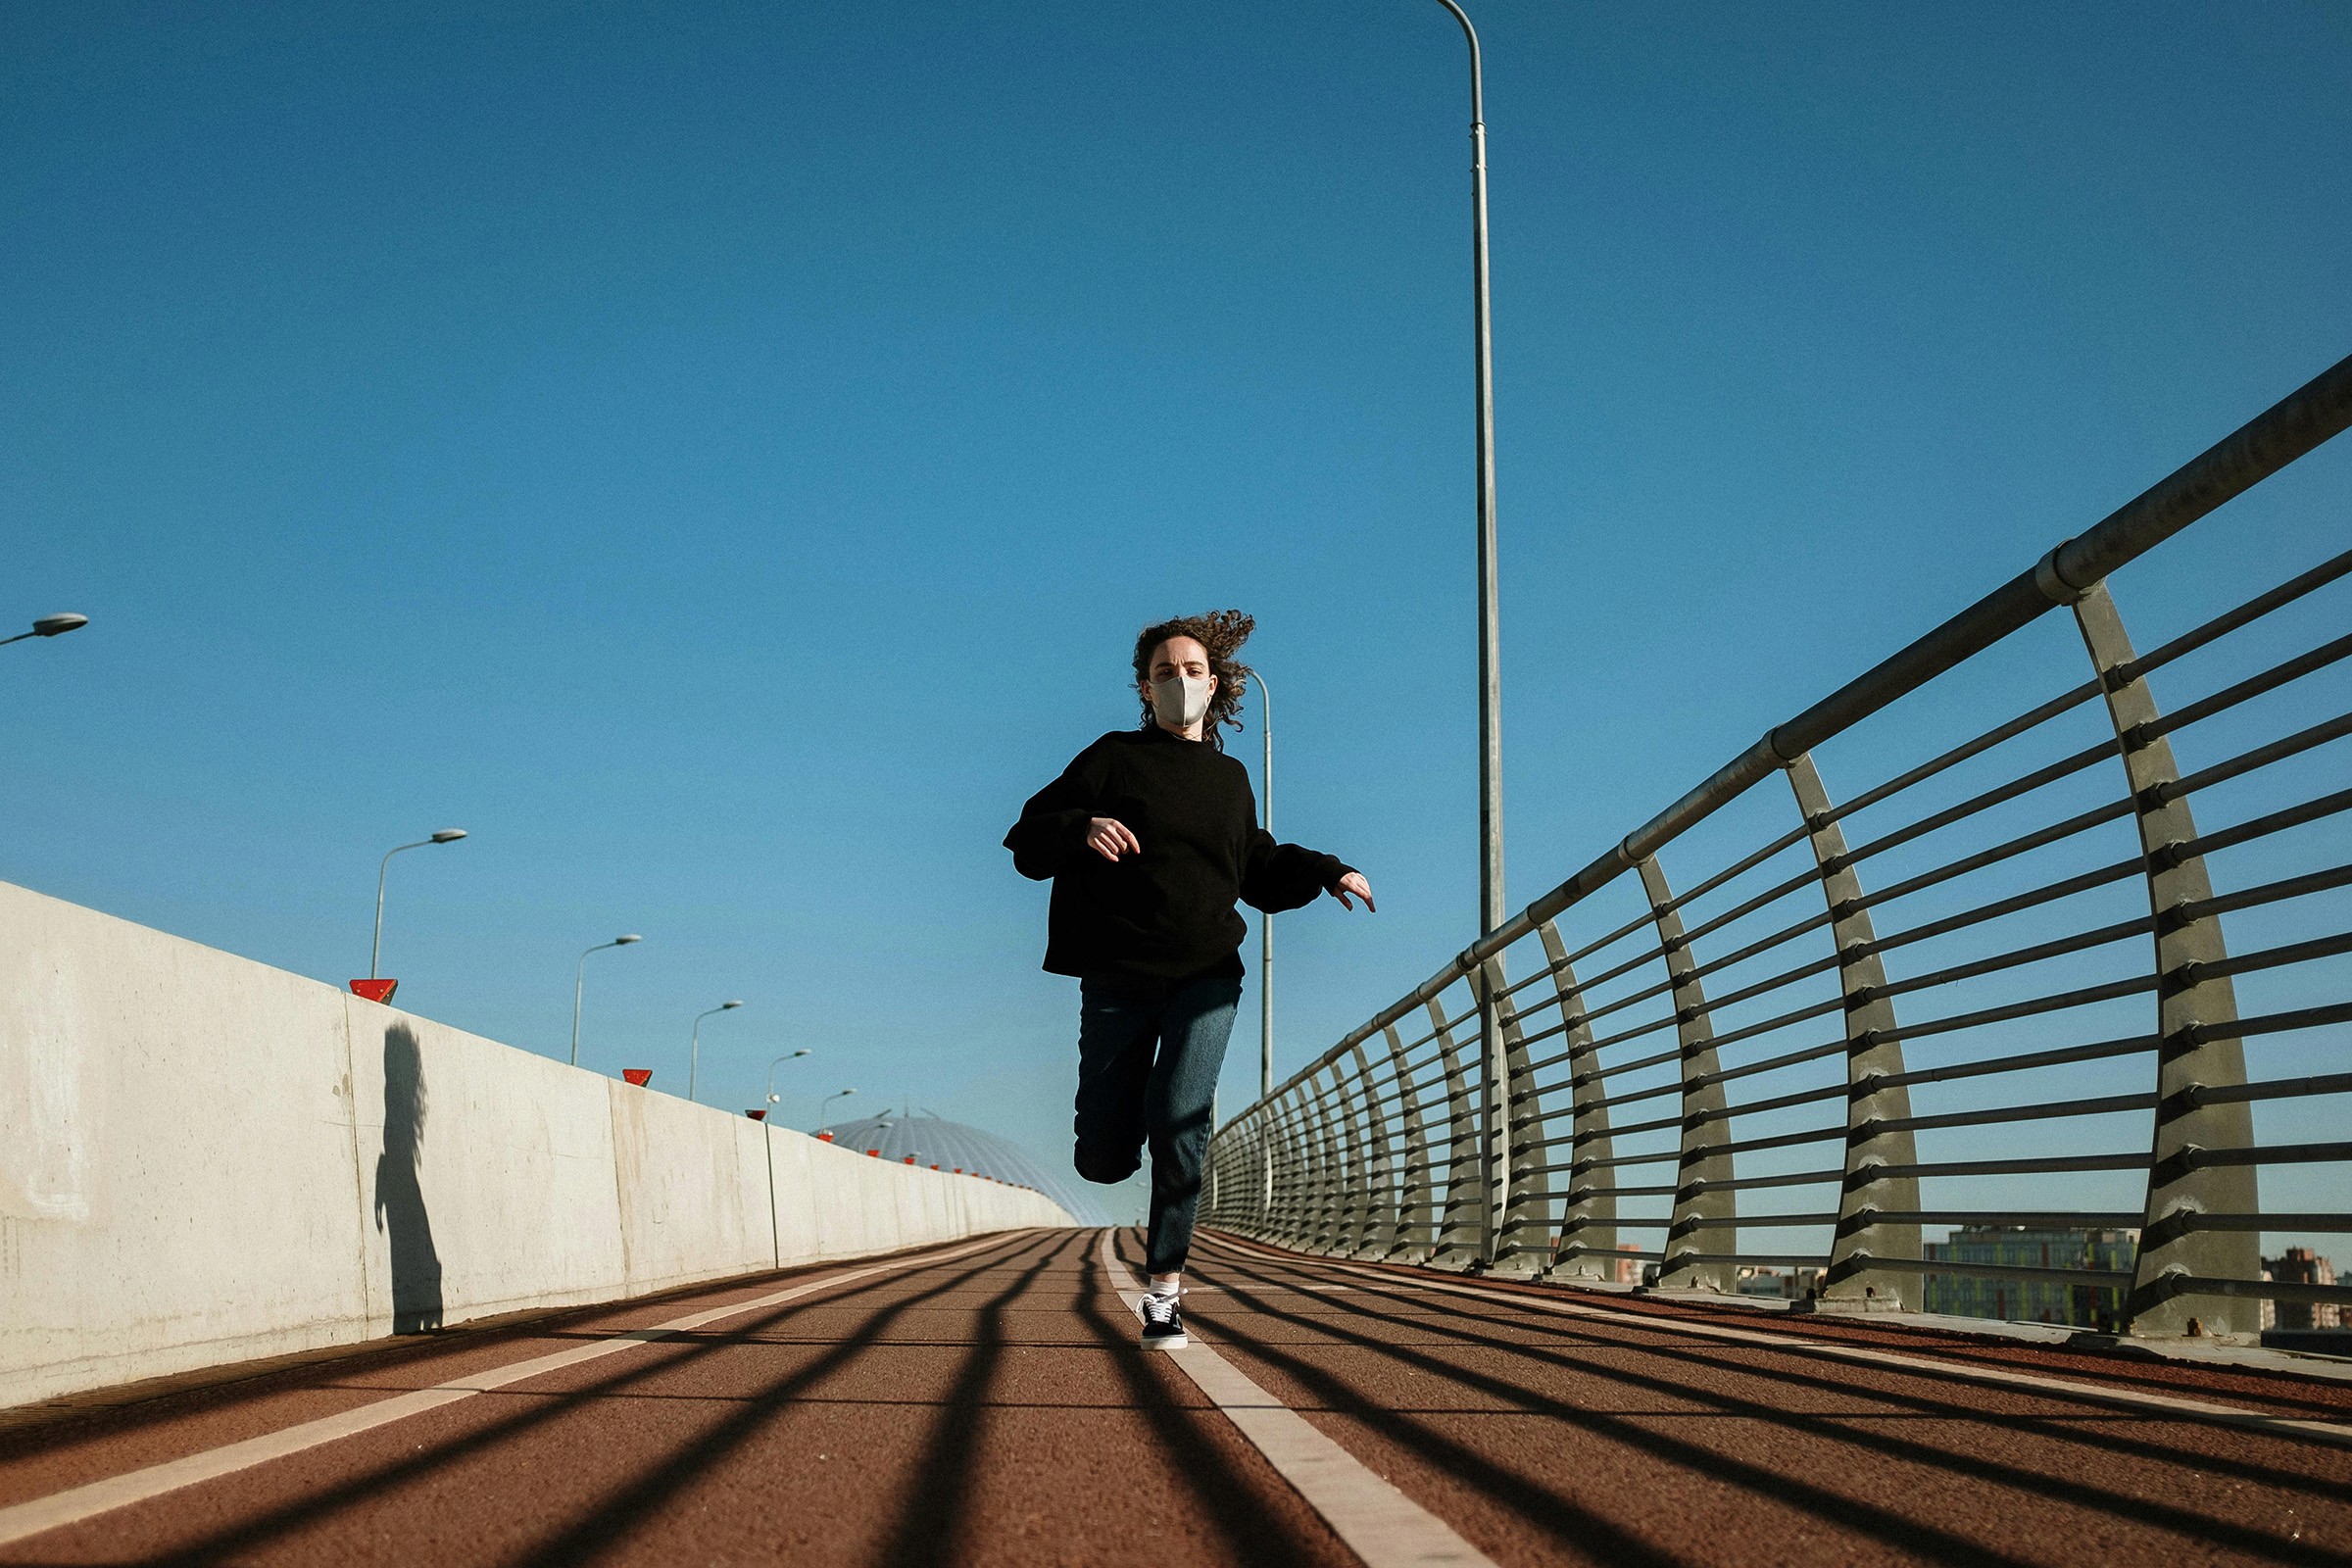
x=1621, y=1269
x=1783, y=1284
x=2027, y=1299
x=2301, y=1266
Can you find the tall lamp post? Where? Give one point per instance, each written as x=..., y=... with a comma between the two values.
x=789, y=1056
x=1265, y=921
x=694, y=1050
x=579, y=978
x=49, y=626
x=828, y=1101
x=1490, y=647
x=375, y=953
x=1497, y=1146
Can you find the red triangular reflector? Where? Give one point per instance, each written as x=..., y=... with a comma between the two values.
x=374, y=990
x=640, y=1076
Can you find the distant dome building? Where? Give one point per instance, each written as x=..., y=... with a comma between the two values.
x=952, y=1145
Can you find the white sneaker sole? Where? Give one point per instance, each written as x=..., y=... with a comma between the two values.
x=1168, y=1341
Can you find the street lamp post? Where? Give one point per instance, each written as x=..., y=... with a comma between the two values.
x=694, y=1050
x=789, y=1056
x=828, y=1101
x=49, y=626
x=1265, y=921
x=375, y=953
x=1490, y=648
x=1496, y=1115
x=579, y=978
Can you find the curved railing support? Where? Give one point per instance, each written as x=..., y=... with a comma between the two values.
x=1700, y=1203
x=1588, y=1237
x=1350, y=1190
x=1522, y=1196
x=2180, y=1187
x=1416, y=1233
x=1874, y=1052
x=1290, y=1192
x=1330, y=1166
x=1376, y=1190
x=1461, y=1230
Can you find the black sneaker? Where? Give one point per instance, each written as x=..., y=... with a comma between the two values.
x=1163, y=1324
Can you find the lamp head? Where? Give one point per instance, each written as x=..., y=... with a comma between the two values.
x=622, y=942
x=802, y=1052
x=776, y=1100
x=54, y=625
x=725, y=1005
x=447, y=835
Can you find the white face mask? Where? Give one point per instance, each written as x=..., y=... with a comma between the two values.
x=1181, y=701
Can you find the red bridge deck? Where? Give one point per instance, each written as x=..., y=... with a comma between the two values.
x=988, y=1404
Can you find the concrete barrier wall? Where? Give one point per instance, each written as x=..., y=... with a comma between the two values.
x=204, y=1159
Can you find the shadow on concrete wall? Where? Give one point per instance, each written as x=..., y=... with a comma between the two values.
x=398, y=1198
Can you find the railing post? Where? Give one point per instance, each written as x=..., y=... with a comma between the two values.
x=1307, y=1170
x=1521, y=1196
x=1372, y=1160
x=1211, y=1200
x=1266, y=1126
x=1874, y=1051
x=1699, y=1205
x=1415, y=1235
x=1360, y=1159
x=1493, y=1108
x=1527, y=1227
x=1266, y=1153
x=1287, y=1185
x=1314, y=1156
x=1460, y=1230
x=1589, y=1224
x=1210, y=1160
x=1331, y=1130
x=2180, y=1187
x=1305, y=1167
x=1241, y=1202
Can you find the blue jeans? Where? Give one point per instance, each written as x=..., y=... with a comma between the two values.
x=1149, y=1053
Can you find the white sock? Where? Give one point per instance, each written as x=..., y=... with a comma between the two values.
x=1165, y=1286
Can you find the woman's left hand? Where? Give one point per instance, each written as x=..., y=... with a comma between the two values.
x=1354, y=882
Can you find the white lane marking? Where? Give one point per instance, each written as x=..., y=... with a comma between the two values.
x=2032, y=1382
x=1378, y=1523
x=82, y=1502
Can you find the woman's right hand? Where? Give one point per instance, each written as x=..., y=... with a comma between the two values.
x=1108, y=837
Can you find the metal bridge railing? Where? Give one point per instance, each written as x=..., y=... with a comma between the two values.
x=1989, y=989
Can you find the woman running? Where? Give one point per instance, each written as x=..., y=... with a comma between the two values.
x=1150, y=835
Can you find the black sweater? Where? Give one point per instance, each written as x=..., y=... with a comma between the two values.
x=1166, y=914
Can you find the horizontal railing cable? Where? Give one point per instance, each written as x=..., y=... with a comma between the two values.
x=2253, y=609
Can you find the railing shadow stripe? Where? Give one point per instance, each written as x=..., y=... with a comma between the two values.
x=1574, y=1528
x=1957, y=1408
x=2198, y=1527
x=934, y=1520
x=1520, y=1492
x=607, y=1528
x=72, y=1427
x=250, y=1533
x=1255, y=1536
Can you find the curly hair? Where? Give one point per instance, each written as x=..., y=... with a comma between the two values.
x=1222, y=632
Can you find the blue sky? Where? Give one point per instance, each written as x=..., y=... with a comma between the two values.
x=717, y=453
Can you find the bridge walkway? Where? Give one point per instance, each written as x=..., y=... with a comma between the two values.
x=987, y=1403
